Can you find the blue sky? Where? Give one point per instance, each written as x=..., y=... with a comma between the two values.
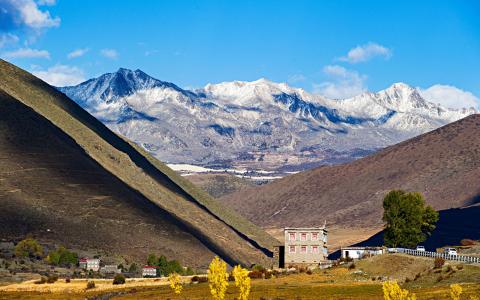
x=334, y=48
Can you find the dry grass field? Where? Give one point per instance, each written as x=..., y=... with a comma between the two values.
x=362, y=282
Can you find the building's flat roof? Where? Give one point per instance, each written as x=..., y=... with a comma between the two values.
x=305, y=228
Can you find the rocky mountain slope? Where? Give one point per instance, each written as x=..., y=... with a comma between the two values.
x=444, y=165
x=67, y=179
x=255, y=125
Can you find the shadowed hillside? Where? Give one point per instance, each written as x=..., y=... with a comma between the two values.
x=66, y=178
x=444, y=165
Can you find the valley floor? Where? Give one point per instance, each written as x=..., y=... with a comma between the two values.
x=363, y=281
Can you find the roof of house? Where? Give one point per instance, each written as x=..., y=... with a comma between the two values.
x=362, y=248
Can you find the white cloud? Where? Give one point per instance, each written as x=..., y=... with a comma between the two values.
x=61, y=75
x=366, y=52
x=27, y=53
x=343, y=83
x=77, y=53
x=150, y=52
x=109, y=53
x=18, y=14
x=296, y=78
x=47, y=2
x=449, y=96
x=7, y=38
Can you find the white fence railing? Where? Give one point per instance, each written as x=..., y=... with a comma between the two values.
x=463, y=258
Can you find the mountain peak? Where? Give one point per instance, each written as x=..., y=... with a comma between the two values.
x=400, y=86
x=111, y=86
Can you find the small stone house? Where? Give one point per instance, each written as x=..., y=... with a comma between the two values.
x=89, y=264
x=360, y=252
x=149, y=271
x=305, y=245
x=110, y=269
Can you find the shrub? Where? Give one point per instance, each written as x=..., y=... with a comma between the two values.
x=67, y=280
x=268, y=275
x=199, y=279
x=455, y=291
x=218, y=278
x=42, y=280
x=302, y=270
x=417, y=276
x=255, y=274
x=90, y=285
x=467, y=242
x=440, y=278
x=52, y=278
x=309, y=272
x=119, y=279
x=28, y=248
x=242, y=281
x=258, y=268
x=438, y=262
x=392, y=291
x=460, y=267
x=175, y=283
x=407, y=280
x=351, y=266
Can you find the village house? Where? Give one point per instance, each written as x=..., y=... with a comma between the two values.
x=305, y=246
x=149, y=271
x=360, y=252
x=110, y=269
x=89, y=264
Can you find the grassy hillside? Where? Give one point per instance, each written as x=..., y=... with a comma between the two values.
x=218, y=185
x=95, y=174
x=443, y=165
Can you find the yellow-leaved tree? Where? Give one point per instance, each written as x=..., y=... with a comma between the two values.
x=392, y=291
x=218, y=278
x=175, y=283
x=242, y=281
x=455, y=291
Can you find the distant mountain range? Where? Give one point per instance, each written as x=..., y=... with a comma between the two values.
x=259, y=125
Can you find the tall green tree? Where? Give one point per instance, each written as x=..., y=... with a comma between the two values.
x=408, y=221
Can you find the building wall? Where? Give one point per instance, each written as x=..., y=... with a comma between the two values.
x=357, y=253
x=304, y=244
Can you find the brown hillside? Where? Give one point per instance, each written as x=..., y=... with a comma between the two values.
x=444, y=165
x=66, y=178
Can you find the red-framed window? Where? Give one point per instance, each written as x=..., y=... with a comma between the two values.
x=303, y=236
x=292, y=236
x=292, y=249
x=303, y=249
x=314, y=236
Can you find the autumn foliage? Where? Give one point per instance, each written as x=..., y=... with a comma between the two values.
x=218, y=278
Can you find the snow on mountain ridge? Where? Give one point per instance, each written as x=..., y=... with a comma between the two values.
x=255, y=124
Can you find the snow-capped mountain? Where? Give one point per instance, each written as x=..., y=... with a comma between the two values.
x=255, y=125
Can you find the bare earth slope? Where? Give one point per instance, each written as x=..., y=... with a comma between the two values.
x=62, y=170
x=444, y=165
